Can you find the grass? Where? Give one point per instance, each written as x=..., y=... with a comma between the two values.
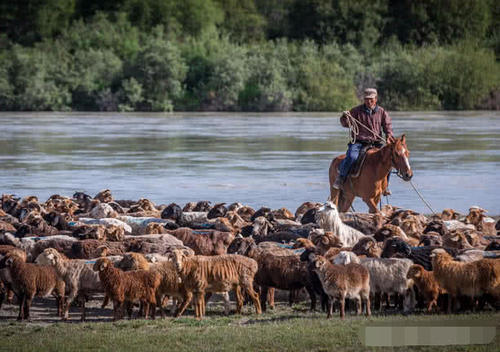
x=285, y=329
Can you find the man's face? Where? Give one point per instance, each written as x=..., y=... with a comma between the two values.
x=371, y=102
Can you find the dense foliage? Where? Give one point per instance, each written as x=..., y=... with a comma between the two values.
x=250, y=55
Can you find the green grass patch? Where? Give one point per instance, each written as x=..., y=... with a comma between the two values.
x=285, y=329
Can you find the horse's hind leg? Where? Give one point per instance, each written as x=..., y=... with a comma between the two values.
x=372, y=204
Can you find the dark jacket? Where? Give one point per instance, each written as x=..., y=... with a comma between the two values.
x=376, y=119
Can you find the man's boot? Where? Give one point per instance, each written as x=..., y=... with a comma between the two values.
x=339, y=181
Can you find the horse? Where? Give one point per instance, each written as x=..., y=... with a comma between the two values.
x=372, y=179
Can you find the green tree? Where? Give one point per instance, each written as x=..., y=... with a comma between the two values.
x=242, y=21
x=438, y=21
x=160, y=70
x=28, y=21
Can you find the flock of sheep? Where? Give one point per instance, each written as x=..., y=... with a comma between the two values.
x=134, y=252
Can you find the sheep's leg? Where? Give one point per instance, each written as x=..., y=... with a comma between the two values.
x=254, y=296
x=83, y=301
x=450, y=299
x=312, y=295
x=117, y=310
x=22, y=301
x=187, y=299
x=69, y=299
x=270, y=297
x=342, y=305
x=198, y=308
x=239, y=299
x=330, y=308
x=105, y=301
x=27, y=305
x=145, y=304
x=366, y=298
x=263, y=297
x=130, y=308
x=358, y=306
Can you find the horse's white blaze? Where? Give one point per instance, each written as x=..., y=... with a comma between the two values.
x=407, y=162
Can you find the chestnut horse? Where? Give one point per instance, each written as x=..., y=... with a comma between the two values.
x=372, y=179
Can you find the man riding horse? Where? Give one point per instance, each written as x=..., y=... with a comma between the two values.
x=365, y=121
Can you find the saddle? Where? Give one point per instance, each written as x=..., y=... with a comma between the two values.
x=358, y=165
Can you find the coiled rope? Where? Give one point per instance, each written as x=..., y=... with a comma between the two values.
x=354, y=131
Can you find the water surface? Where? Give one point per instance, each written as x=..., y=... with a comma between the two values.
x=275, y=160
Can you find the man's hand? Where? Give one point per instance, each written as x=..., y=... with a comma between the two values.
x=345, y=113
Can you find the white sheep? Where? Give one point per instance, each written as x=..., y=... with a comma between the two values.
x=388, y=275
x=328, y=219
x=80, y=279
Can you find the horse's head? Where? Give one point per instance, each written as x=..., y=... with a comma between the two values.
x=400, y=155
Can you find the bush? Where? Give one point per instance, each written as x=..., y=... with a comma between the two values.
x=217, y=72
x=267, y=86
x=321, y=83
x=160, y=70
x=455, y=77
x=38, y=78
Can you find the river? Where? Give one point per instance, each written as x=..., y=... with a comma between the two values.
x=274, y=160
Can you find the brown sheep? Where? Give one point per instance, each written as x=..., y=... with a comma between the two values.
x=341, y=282
x=449, y=214
x=246, y=213
x=466, y=279
x=412, y=227
x=30, y=280
x=155, y=228
x=220, y=273
x=282, y=213
x=170, y=284
x=278, y=271
x=482, y=223
x=88, y=249
x=81, y=281
x=104, y=196
x=456, y=239
x=304, y=207
x=426, y=284
x=324, y=240
x=127, y=287
x=204, y=242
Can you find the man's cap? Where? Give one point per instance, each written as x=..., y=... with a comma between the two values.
x=370, y=93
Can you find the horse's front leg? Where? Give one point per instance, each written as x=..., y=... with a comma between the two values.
x=345, y=201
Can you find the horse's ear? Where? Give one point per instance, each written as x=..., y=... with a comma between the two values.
x=403, y=138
